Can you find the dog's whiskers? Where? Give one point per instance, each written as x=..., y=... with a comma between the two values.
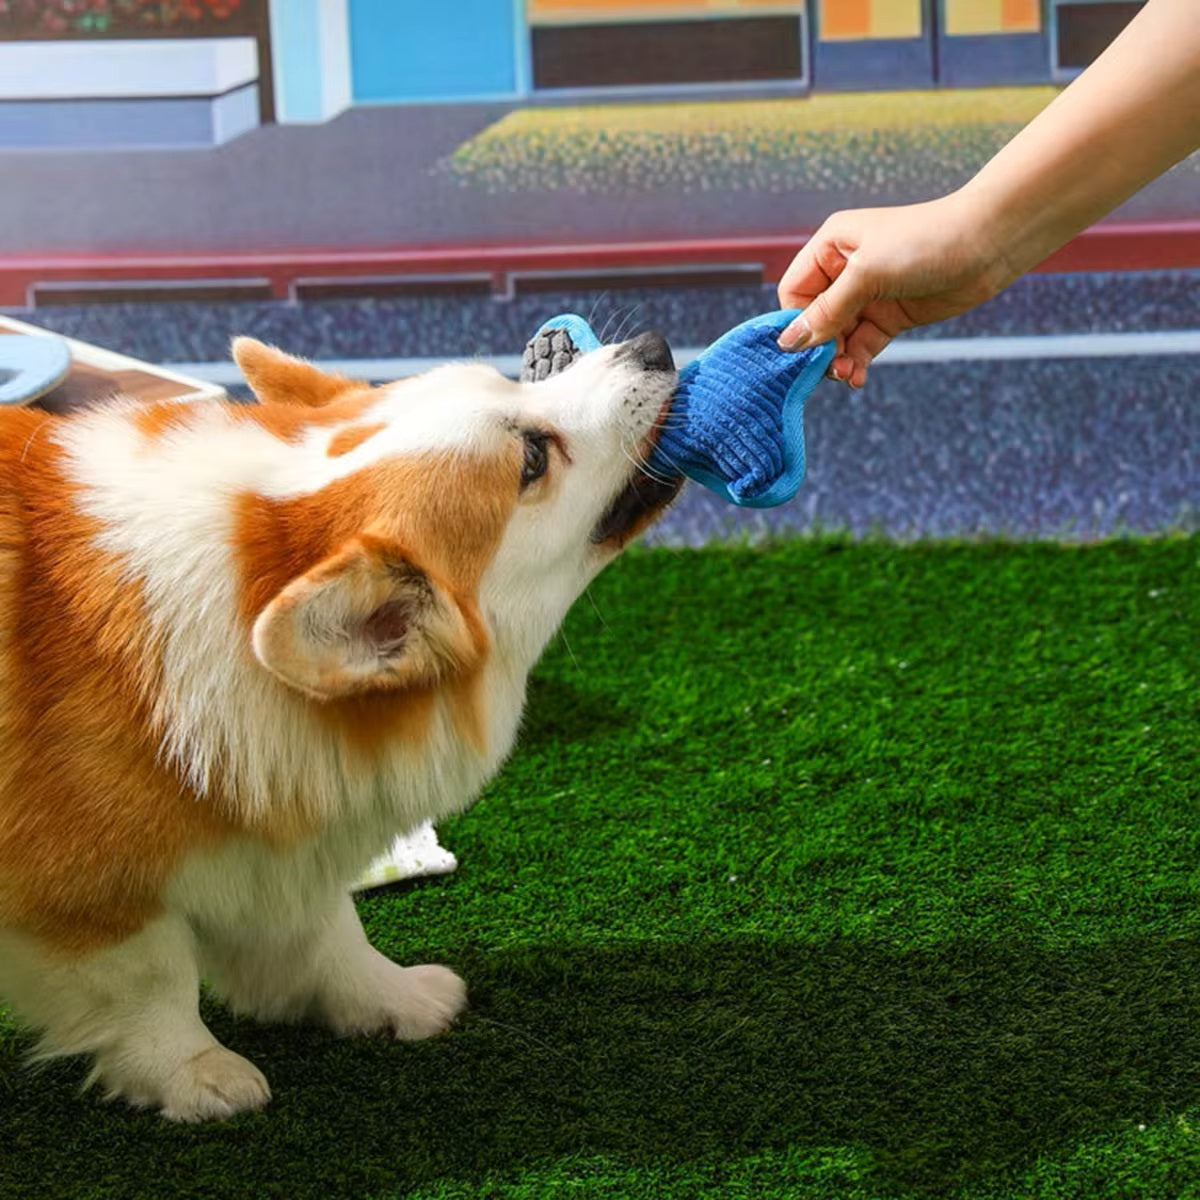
x=29, y=441
x=596, y=608
x=567, y=642
x=670, y=422
x=643, y=465
x=608, y=324
x=649, y=469
x=600, y=299
x=678, y=469
x=624, y=329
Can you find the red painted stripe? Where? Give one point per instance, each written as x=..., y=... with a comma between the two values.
x=1146, y=246
x=1107, y=247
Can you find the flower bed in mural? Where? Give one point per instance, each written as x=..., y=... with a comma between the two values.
x=819, y=143
x=21, y=19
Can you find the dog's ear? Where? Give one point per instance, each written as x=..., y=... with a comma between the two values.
x=276, y=376
x=367, y=618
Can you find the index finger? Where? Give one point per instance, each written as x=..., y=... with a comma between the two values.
x=805, y=278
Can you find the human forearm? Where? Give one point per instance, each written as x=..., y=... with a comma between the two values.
x=869, y=274
x=1130, y=116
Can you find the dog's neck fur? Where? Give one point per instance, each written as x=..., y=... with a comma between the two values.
x=165, y=516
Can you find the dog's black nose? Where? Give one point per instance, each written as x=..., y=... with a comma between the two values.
x=651, y=350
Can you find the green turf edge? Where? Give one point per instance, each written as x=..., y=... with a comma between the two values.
x=826, y=870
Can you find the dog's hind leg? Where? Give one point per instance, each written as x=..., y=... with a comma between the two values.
x=133, y=1008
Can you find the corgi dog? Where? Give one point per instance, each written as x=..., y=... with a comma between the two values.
x=243, y=647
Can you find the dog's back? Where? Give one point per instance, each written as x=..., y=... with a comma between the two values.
x=91, y=822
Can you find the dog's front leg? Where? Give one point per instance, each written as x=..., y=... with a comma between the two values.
x=331, y=974
x=133, y=1007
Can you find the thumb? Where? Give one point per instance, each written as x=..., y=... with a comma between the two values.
x=832, y=312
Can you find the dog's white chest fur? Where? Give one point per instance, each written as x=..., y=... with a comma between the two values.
x=249, y=883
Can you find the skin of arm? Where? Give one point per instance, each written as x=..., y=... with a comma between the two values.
x=869, y=274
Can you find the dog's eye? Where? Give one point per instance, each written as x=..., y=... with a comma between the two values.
x=537, y=458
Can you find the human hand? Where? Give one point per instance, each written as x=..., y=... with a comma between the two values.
x=868, y=274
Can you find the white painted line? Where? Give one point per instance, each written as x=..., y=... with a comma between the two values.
x=1055, y=345
x=226, y=373
x=915, y=350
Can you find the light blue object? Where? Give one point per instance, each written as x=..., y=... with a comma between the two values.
x=737, y=420
x=30, y=366
x=579, y=331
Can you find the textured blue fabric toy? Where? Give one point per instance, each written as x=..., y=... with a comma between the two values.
x=737, y=421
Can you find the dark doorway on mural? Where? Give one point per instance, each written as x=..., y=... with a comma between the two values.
x=1085, y=29
x=739, y=50
x=826, y=45
x=605, y=44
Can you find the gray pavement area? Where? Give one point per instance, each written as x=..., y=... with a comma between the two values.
x=1069, y=449
x=370, y=179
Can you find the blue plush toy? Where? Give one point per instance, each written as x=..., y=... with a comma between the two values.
x=737, y=419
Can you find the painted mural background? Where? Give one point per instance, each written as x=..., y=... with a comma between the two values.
x=384, y=181
x=217, y=127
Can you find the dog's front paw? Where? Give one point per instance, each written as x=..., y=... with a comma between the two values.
x=410, y=1003
x=434, y=997
x=213, y=1086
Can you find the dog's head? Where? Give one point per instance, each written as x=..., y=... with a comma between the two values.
x=443, y=514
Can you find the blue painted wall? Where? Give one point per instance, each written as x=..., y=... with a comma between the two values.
x=874, y=64
x=971, y=61
x=425, y=50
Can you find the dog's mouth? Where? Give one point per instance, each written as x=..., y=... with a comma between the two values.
x=641, y=500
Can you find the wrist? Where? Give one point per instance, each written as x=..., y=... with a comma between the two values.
x=981, y=233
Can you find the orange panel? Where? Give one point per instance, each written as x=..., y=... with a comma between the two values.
x=845, y=18
x=1020, y=16
x=621, y=10
x=601, y=8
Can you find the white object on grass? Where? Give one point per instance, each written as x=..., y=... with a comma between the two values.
x=411, y=856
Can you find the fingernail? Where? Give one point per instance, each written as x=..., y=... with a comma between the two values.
x=796, y=336
x=833, y=374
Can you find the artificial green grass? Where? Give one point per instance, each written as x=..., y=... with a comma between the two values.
x=832, y=870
